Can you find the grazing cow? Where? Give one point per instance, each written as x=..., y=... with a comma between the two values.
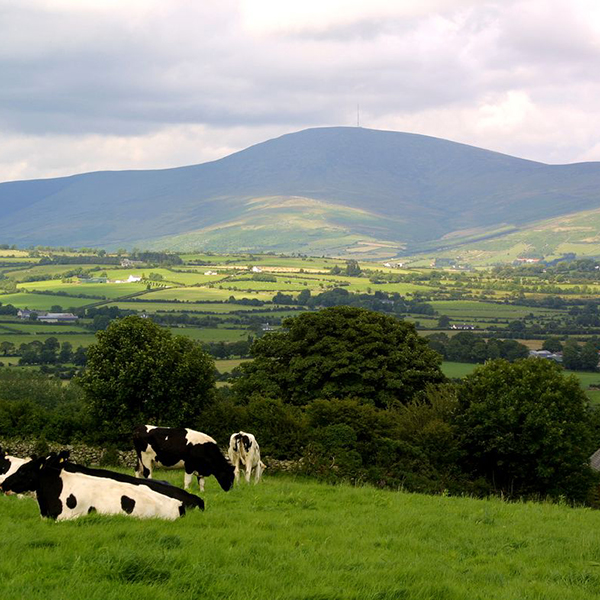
x=244, y=449
x=9, y=464
x=66, y=491
x=178, y=448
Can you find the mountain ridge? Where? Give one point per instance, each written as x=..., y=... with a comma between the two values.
x=413, y=190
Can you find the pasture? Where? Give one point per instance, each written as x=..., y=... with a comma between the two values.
x=43, y=301
x=296, y=539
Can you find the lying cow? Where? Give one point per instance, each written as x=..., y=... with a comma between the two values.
x=66, y=491
x=244, y=449
x=178, y=448
x=9, y=464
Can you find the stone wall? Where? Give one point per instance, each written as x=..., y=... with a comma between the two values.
x=91, y=455
x=80, y=453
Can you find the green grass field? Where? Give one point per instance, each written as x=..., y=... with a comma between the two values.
x=296, y=539
x=456, y=309
x=103, y=290
x=211, y=334
x=227, y=365
x=43, y=301
x=82, y=339
x=199, y=294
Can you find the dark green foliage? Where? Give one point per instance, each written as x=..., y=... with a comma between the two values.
x=138, y=372
x=467, y=346
x=552, y=344
x=416, y=446
x=340, y=352
x=580, y=358
x=33, y=405
x=526, y=429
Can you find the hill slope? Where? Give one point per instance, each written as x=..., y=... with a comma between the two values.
x=328, y=189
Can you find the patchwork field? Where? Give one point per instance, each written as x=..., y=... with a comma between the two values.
x=295, y=539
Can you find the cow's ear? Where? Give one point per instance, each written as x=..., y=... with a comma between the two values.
x=63, y=456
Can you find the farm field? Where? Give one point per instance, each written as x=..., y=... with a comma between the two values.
x=76, y=339
x=466, y=308
x=229, y=364
x=43, y=301
x=103, y=290
x=199, y=294
x=41, y=328
x=291, y=538
x=211, y=334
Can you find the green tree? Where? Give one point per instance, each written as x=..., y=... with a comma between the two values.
x=552, y=344
x=66, y=352
x=138, y=372
x=527, y=429
x=352, y=268
x=572, y=355
x=589, y=357
x=340, y=352
x=443, y=322
x=7, y=348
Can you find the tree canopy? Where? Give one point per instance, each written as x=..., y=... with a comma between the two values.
x=138, y=372
x=340, y=352
x=527, y=428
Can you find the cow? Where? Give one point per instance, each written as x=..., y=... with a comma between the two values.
x=65, y=490
x=9, y=464
x=244, y=449
x=179, y=448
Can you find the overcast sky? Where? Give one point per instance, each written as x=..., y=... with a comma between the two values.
x=90, y=85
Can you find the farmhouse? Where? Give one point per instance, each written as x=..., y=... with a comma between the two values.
x=126, y=262
x=555, y=356
x=57, y=318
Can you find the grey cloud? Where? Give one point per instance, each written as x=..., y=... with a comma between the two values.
x=69, y=72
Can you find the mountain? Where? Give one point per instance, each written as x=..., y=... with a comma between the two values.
x=333, y=190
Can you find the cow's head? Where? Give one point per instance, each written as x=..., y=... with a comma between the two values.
x=225, y=474
x=4, y=462
x=27, y=477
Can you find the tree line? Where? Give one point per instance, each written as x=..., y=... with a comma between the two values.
x=355, y=394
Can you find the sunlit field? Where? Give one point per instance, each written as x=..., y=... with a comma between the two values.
x=292, y=539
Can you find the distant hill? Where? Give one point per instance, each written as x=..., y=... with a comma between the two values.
x=343, y=191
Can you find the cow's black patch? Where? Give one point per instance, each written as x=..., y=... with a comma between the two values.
x=91, y=509
x=146, y=472
x=127, y=504
x=71, y=501
x=48, y=493
x=171, y=446
x=181, y=510
x=4, y=463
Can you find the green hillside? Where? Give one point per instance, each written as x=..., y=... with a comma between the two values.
x=550, y=239
x=296, y=539
x=338, y=191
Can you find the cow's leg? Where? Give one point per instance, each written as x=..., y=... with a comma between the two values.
x=236, y=469
x=248, y=470
x=187, y=480
x=201, y=483
x=144, y=466
x=258, y=472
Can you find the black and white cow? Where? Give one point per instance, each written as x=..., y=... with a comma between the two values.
x=66, y=491
x=9, y=464
x=244, y=449
x=179, y=448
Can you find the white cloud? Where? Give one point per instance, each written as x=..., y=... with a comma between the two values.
x=94, y=84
